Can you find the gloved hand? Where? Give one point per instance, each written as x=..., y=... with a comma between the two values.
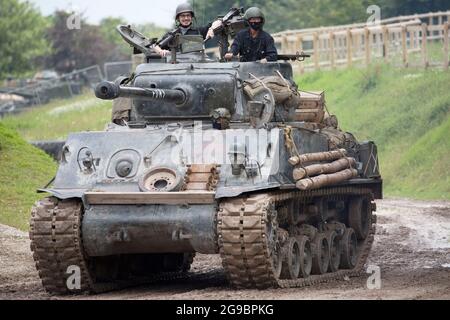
x=216, y=24
x=263, y=60
x=228, y=56
x=161, y=52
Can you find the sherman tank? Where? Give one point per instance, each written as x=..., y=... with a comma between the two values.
x=211, y=157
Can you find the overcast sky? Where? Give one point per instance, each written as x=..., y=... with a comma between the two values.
x=159, y=12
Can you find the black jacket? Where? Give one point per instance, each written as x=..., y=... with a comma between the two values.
x=192, y=31
x=254, y=49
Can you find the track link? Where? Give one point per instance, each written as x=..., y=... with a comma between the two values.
x=56, y=243
x=242, y=230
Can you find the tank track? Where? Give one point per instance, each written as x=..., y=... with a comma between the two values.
x=56, y=243
x=244, y=246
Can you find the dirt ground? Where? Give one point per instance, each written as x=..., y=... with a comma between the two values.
x=412, y=249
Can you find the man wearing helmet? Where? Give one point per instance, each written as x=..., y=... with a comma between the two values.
x=184, y=16
x=253, y=43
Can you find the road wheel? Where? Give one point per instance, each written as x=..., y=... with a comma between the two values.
x=335, y=251
x=305, y=256
x=321, y=254
x=360, y=216
x=349, y=255
x=291, y=261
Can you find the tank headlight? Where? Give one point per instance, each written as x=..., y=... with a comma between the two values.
x=124, y=168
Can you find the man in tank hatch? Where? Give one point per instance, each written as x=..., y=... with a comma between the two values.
x=253, y=43
x=184, y=18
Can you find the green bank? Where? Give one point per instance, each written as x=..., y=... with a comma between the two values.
x=406, y=112
x=23, y=169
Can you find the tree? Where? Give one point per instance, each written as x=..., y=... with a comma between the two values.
x=407, y=7
x=110, y=35
x=76, y=49
x=22, y=38
x=122, y=49
x=298, y=14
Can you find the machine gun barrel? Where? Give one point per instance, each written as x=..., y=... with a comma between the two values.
x=109, y=91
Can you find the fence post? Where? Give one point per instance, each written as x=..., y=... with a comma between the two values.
x=368, y=46
x=349, y=48
x=332, y=53
x=386, y=44
x=316, y=51
x=404, y=47
x=424, y=44
x=284, y=44
x=412, y=39
x=446, y=62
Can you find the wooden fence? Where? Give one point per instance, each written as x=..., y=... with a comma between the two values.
x=409, y=41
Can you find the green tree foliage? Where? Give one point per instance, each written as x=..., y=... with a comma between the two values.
x=151, y=30
x=392, y=8
x=76, y=49
x=21, y=37
x=290, y=14
x=299, y=14
x=122, y=49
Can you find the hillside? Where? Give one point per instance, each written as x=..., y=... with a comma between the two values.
x=55, y=120
x=407, y=113
x=23, y=169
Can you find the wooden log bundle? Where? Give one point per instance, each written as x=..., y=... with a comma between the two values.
x=318, y=157
x=337, y=168
x=325, y=168
x=326, y=179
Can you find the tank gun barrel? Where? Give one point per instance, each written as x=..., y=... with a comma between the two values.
x=108, y=91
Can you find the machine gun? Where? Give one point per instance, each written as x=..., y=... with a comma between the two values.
x=299, y=56
x=231, y=24
x=170, y=37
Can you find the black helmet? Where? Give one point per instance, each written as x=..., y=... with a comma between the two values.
x=254, y=12
x=184, y=8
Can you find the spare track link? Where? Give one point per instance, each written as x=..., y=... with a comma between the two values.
x=56, y=243
x=243, y=247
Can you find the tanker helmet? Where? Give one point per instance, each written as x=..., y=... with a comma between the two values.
x=184, y=8
x=254, y=12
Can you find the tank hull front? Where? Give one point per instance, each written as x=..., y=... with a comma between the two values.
x=138, y=229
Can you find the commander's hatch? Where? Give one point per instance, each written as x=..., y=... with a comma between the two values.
x=138, y=41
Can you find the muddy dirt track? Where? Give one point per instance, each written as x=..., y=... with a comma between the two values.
x=412, y=249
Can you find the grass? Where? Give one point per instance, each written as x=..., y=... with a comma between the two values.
x=406, y=112
x=56, y=120
x=23, y=169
